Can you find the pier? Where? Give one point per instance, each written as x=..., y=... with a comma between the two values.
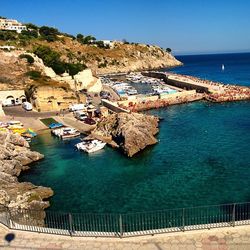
x=213, y=91
x=183, y=82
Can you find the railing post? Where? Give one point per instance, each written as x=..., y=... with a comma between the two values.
x=233, y=215
x=183, y=219
x=120, y=225
x=70, y=225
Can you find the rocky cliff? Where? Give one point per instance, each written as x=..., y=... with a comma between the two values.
x=120, y=58
x=132, y=132
x=15, y=156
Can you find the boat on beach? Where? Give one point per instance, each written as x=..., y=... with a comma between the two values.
x=90, y=146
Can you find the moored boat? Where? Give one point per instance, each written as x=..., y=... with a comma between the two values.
x=90, y=146
x=66, y=133
x=55, y=125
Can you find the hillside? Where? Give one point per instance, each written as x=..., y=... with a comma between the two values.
x=120, y=57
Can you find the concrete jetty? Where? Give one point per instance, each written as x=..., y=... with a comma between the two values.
x=213, y=91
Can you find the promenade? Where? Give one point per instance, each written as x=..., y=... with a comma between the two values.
x=233, y=238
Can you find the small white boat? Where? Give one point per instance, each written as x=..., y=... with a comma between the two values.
x=90, y=146
x=222, y=67
x=132, y=91
x=66, y=133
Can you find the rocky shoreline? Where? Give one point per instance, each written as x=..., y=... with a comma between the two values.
x=15, y=156
x=130, y=132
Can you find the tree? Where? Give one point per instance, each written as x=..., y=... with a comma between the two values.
x=31, y=26
x=168, y=50
x=49, y=33
x=89, y=39
x=125, y=41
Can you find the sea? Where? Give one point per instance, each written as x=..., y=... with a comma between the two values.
x=202, y=158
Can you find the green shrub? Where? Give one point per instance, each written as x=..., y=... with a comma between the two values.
x=31, y=26
x=29, y=58
x=49, y=56
x=7, y=35
x=73, y=69
x=28, y=34
x=34, y=75
x=49, y=33
x=51, y=59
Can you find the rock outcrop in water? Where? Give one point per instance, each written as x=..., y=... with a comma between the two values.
x=131, y=132
x=15, y=156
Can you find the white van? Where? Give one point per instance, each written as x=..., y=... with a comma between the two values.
x=77, y=107
x=27, y=106
x=80, y=115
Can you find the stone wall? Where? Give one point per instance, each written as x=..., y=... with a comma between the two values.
x=51, y=99
x=151, y=102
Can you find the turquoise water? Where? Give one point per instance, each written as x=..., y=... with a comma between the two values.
x=202, y=158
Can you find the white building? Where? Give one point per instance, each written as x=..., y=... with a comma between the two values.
x=11, y=24
x=108, y=43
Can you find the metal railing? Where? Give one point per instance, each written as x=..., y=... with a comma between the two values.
x=129, y=224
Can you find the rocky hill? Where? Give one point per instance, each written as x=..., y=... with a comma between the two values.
x=118, y=57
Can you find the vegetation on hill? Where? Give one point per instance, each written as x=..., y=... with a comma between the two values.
x=52, y=59
x=68, y=53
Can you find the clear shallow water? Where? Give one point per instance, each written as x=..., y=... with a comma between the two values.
x=202, y=158
x=237, y=67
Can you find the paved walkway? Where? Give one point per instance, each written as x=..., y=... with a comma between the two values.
x=237, y=238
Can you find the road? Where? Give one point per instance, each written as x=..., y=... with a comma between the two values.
x=18, y=111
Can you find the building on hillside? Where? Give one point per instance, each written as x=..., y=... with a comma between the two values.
x=11, y=24
x=12, y=97
x=108, y=43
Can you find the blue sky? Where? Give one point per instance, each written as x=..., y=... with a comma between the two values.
x=186, y=26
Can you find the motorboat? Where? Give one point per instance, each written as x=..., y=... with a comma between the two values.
x=132, y=91
x=90, y=146
x=66, y=133
x=55, y=125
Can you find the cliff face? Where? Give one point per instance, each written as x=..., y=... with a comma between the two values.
x=137, y=58
x=12, y=71
x=132, y=132
x=15, y=156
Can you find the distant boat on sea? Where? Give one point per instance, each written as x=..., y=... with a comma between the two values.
x=222, y=67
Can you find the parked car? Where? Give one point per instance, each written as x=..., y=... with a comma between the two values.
x=80, y=115
x=77, y=107
x=8, y=102
x=89, y=121
x=27, y=106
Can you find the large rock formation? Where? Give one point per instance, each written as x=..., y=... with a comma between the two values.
x=15, y=156
x=132, y=132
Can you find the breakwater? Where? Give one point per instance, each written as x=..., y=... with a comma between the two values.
x=214, y=91
x=144, y=102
